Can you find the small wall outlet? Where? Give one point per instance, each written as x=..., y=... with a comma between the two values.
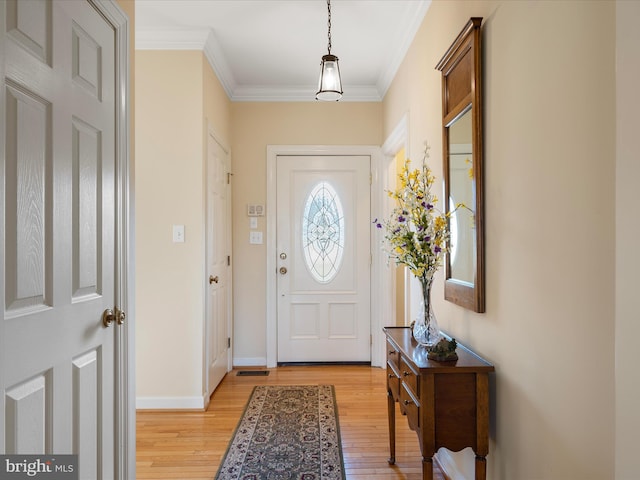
x=255, y=238
x=253, y=222
x=178, y=234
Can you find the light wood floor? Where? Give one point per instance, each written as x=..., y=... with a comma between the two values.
x=190, y=445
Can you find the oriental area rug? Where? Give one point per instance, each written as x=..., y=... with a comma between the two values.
x=287, y=432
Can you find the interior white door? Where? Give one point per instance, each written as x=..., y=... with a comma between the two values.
x=323, y=242
x=57, y=210
x=218, y=276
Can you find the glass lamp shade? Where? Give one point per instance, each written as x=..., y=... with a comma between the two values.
x=330, y=85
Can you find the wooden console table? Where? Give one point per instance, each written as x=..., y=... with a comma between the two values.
x=446, y=403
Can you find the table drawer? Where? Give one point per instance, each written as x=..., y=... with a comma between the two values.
x=410, y=377
x=410, y=406
x=393, y=382
x=393, y=356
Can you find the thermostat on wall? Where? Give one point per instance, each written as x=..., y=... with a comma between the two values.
x=255, y=210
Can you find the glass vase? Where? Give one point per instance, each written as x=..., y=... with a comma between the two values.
x=425, y=328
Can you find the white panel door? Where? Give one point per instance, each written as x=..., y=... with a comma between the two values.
x=57, y=211
x=218, y=277
x=323, y=242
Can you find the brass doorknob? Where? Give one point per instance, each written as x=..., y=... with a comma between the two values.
x=108, y=317
x=283, y=270
x=213, y=279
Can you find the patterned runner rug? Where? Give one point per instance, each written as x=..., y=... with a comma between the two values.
x=287, y=432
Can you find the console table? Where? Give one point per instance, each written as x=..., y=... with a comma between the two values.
x=446, y=403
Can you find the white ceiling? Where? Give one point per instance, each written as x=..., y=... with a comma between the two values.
x=270, y=50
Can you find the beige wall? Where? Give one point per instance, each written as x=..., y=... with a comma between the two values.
x=170, y=127
x=550, y=189
x=253, y=127
x=217, y=107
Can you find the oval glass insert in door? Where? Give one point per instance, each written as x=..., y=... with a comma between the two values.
x=323, y=232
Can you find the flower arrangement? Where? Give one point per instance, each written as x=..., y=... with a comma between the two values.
x=416, y=233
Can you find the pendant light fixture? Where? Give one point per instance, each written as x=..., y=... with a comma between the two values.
x=330, y=85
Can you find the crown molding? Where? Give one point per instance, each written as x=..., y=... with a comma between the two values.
x=385, y=79
x=218, y=61
x=300, y=94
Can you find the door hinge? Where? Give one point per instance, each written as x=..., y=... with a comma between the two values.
x=228, y=342
x=370, y=339
x=229, y=174
x=370, y=178
x=228, y=260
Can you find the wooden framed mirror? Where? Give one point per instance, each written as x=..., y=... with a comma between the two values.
x=461, y=68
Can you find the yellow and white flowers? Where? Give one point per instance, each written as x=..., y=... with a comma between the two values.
x=416, y=233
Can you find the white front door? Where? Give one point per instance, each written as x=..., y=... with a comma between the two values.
x=57, y=248
x=218, y=276
x=323, y=232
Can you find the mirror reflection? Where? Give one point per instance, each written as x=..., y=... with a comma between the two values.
x=462, y=200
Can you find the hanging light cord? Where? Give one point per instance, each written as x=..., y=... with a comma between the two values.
x=329, y=24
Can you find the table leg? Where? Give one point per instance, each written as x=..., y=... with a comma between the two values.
x=391, y=414
x=427, y=468
x=481, y=468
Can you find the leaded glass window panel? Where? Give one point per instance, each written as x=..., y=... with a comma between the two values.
x=323, y=232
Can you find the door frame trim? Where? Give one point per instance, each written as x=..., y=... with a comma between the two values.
x=125, y=412
x=396, y=141
x=380, y=306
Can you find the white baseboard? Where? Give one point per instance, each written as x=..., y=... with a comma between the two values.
x=249, y=361
x=171, y=403
x=457, y=465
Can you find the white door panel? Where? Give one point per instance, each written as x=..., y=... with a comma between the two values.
x=58, y=242
x=323, y=284
x=218, y=277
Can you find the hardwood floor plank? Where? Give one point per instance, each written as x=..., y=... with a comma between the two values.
x=177, y=445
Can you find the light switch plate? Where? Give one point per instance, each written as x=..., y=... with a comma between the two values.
x=255, y=238
x=178, y=234
x=253, y=222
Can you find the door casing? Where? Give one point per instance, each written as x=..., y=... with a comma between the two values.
x=125, y=414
